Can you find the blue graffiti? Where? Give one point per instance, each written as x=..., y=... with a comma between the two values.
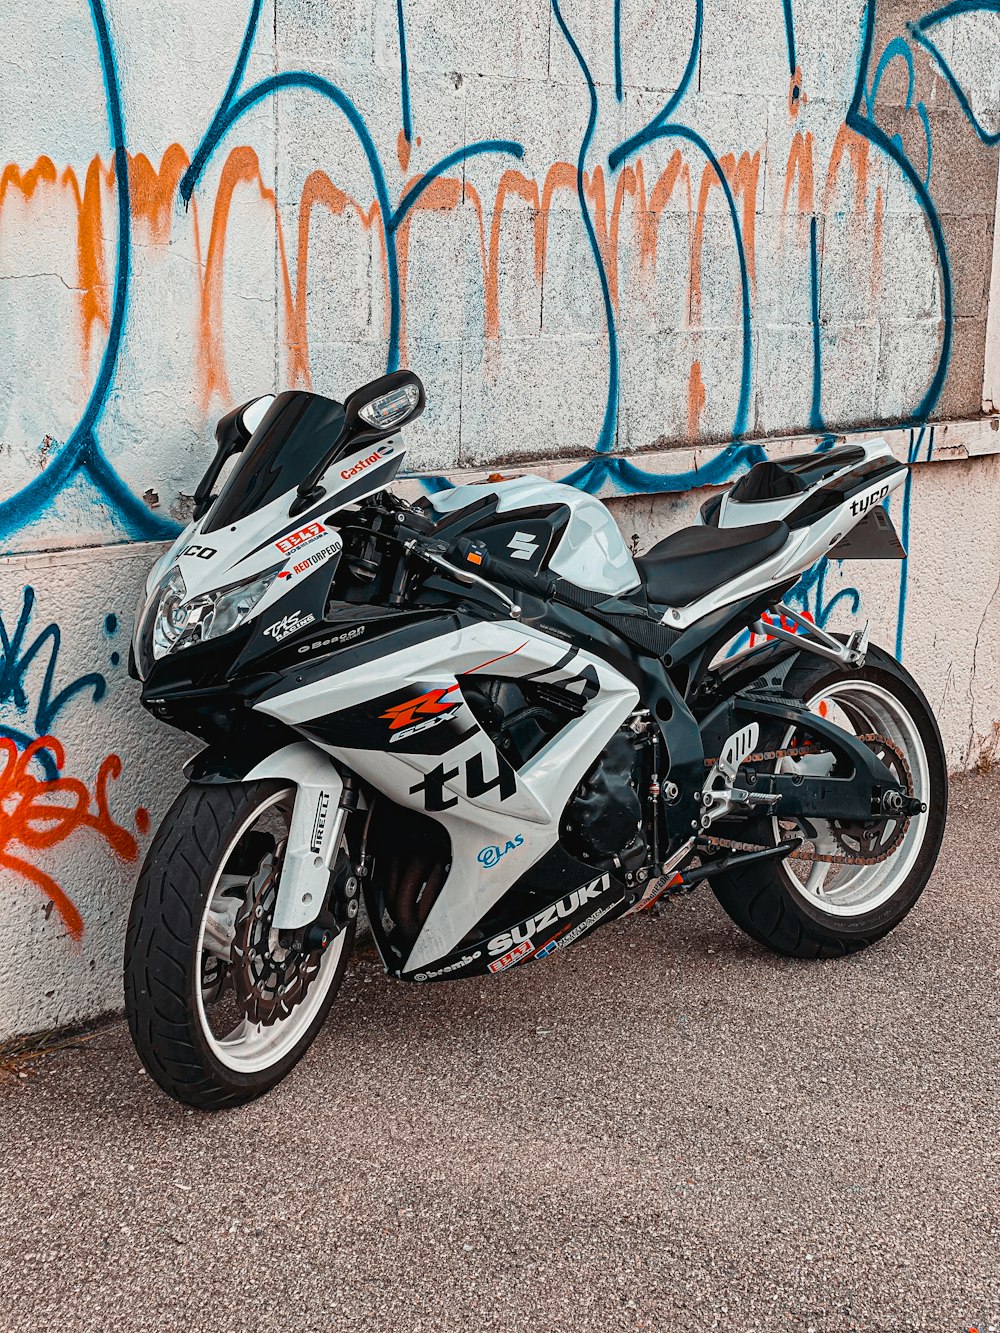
x=404, y=75
x=663, y=127
x=606, y=436
x=859, y=118
x=82, y=453
x=632, y=145
x=19, y=655
x=617, y=39
x=684, y=133
x=898, y=49
x=618, y=474
x=923, y=26
x=809, y=597
x=816, y=405
x=793, y=63
x=626, y=477
x=917, y=438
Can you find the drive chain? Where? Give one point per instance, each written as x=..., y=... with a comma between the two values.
x=800, y=752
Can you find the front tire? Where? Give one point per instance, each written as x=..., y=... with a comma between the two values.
x=211, y=874
x=795, y=909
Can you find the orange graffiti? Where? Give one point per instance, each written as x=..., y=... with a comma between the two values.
x=91, y=277
x=857, y=148
x=800, y=166
x=154, y=196
x=877, y=241
x=38, y=814
x=511, y=183
x=241, y=168
x=441, y=195
x=796, y=97
x=696, y=399
x=651, y=213
x=153, y=192
x=318, y=189
x=742, y=176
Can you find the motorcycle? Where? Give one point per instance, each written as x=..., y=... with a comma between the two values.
x=481, y=716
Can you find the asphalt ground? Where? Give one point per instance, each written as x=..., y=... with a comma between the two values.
x=663, y=1128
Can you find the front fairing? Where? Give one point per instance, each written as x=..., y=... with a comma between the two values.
x=306, y=546
x=210, y=690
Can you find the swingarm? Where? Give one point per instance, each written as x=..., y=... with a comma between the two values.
x=857, y=787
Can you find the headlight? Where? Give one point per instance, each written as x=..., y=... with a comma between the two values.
x=179, y=623
x=171, y=617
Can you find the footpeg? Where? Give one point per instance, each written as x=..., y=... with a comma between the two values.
x=757, y=797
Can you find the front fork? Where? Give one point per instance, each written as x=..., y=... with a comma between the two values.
x=323, y=801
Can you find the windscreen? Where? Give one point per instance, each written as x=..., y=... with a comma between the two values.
x=296, y=432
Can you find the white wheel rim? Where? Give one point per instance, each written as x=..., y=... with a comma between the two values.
x=853, y=891
x=251, y=1048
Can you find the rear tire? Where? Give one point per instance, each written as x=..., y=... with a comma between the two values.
x=166, y=1000
x=772, y=907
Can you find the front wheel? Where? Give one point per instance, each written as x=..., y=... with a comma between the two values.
x=847, y=886
x=221, y=1006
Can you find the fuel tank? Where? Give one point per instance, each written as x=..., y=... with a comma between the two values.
x=547, y=525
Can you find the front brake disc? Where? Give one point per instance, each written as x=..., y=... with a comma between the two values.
x=270, y=978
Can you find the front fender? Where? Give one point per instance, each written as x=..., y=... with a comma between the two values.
x=317, y=817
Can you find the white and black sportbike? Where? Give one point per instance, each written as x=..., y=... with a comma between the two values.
x=479, y=714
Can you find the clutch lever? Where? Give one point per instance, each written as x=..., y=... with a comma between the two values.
x=464, y=576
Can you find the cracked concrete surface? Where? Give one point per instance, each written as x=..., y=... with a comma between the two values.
x=666, y=1128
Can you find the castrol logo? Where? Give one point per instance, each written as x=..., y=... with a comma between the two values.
x=364, y=463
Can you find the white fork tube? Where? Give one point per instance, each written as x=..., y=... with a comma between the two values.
x=316, y=828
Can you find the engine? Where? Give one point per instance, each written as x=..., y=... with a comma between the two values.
x=603, y=822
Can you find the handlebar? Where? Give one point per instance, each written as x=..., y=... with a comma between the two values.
x=475, y=555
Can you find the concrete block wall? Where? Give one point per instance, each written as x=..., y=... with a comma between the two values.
x=623, y=242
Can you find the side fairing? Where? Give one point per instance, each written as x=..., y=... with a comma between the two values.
x=401, y=722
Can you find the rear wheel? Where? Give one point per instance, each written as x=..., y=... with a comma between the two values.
x=221, y=1006
x=848, y=885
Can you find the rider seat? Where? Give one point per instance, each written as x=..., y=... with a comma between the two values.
x=694, y=561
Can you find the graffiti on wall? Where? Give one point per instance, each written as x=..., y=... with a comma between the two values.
x=655, y=204
x=684, y=169
x=42, y=806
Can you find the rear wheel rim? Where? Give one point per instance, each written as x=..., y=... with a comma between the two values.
x=252, y=1048
x=862, y=706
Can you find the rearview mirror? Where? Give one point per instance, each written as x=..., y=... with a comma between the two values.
x=371, y=413
x=233, y=431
